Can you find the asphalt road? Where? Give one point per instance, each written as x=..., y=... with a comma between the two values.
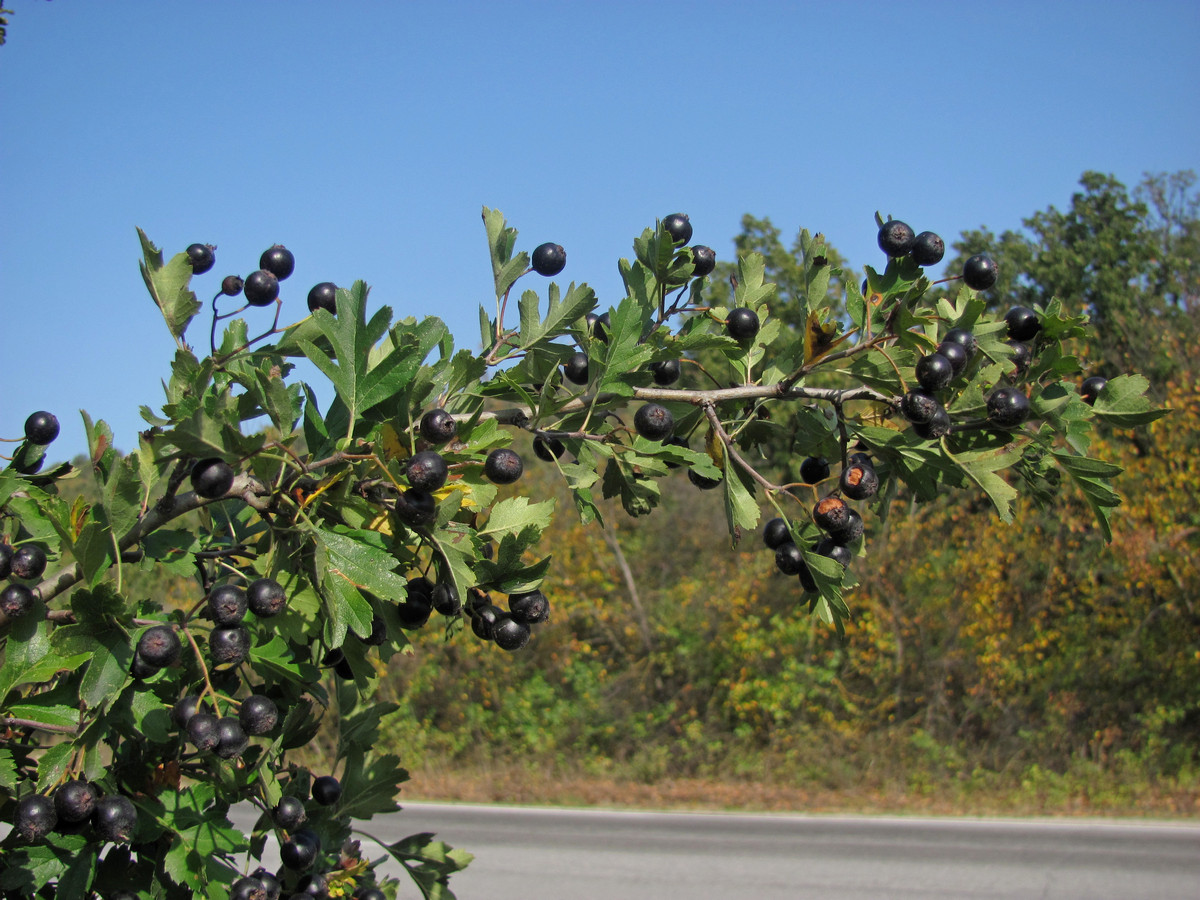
x=532, y=853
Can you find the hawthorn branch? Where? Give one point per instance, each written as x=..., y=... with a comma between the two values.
x=714, y=420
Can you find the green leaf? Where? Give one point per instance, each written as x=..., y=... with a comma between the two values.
x=54, y=715
x=1092, y=477
x=277, y=657
x=168, y=286
x=1123, y=403
x=515, y=514
x=108, y=671
x=362, y=558
x=981, y=467
x=53, y=764
x=430, y=863
x=369, y=788
x=741, y=510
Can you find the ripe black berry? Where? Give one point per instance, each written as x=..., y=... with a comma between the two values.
x=814, y=469
x=776, y=533
x=211, y=478
x=438, y=426
x=1007, y=407
x=980, y=272
x=575, y=369
x=249, y=887
x=955, y=355
x=227, y=604
x=484, y=619
x=549, y=259
x=1091, y=388
x=859, y=482
x=159, y=645
x=831, y=513
x=446, y=600
x=1023, y=323
x=323, y=296
x=963, y=338
x=788, y=558
x=850, y=532
x=509, y=633
x=934, y=371
x=75, y=801
x=6, y=555
x=896, y=238
x=654, y=422
x=704, y=260
x=919, y=407
x=28, y=561
x=314, y=885
x=742, y=324
x=202, y=731
x=35, y=818
x=289, y=813
x=265, y=597
x=261, y=288
x=371, y=894
x=530, y=607
x=548, y=449
x=927, y=249
x=703, y=481
x=258, y=714
x=665, y=372
x=16, y=600
x=937, y=427
x=807, y=582
x=41, y=428
x=231, y=285
x=326, y=790
x=231, y=738
x=839, y=553
x=415, y=609
x=201, y=257
x=278, y=260
x=678, y=227
x=115, y=818
x=1022, y=356
x=184, y=709
x=269, y=882
x=229, y=645
x=300, y=850
x=416, y=507
x=427, y=470
x=599, y=325
x=503, y=466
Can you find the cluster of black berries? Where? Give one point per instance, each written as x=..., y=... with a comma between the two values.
x=508, y=629
x=261, y=287
x=74, y=807
x=27, y=563
x=225, y=736
x=842, y=524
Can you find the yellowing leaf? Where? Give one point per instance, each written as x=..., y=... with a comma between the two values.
x=715, y=448
x=819, y=339
x=394, y=446
x=468, y=493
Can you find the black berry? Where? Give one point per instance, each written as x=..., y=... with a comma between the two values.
x=438, y=426
x=326, y=790
x=16, y=600
x=955, y=355
x=654, y=422
x=851, y=531
x=427, y=470
x=503, y=466
x=927, y=249
x=831, y=514
x=115, y=818
x=1007, y=407
x=776, y=533
x=937, y=427
x=201, y=257
x=742, y=324
x=814, y=469
x=530, y=607
x=202, y=731
x=248, y=887
x=75, y=801
x=323, y=296
x=934, y=371
x=159, y=645
x=919, y=407
x=212, y=478
x=839, y=553
x=35, y=818
x=484, y=619
x=446, y=600
x=231, y=285
x=1023, y=323
x=704, y=260
x=859, y=482
x=665, y=372
x=788, y=558
x=41, y=428
x=549, y=259
x=6, y=555
x=278, y=260
x=980, y=272
x=703, y=481
x=184, y=709
x=300, y=850
x=509, y=633
x=1022, y=356
x=575, y=369
x=229, y=645
x=265, y=597
x=258, y=715
x=963, y=338
x=261, y=288
x=28, y=561
x=599, y=325
x=896, y=238
x=289, y=813
x=231, y=738
x=1091, y=388
x=678, y=227
x=227, y=604
x=416, y=507
x=548, y=449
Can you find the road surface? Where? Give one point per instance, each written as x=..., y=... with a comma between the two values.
x=524, y=853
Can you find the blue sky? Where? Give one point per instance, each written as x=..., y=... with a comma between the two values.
x=367, y=136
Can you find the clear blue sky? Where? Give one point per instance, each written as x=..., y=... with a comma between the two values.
x=366, y=136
